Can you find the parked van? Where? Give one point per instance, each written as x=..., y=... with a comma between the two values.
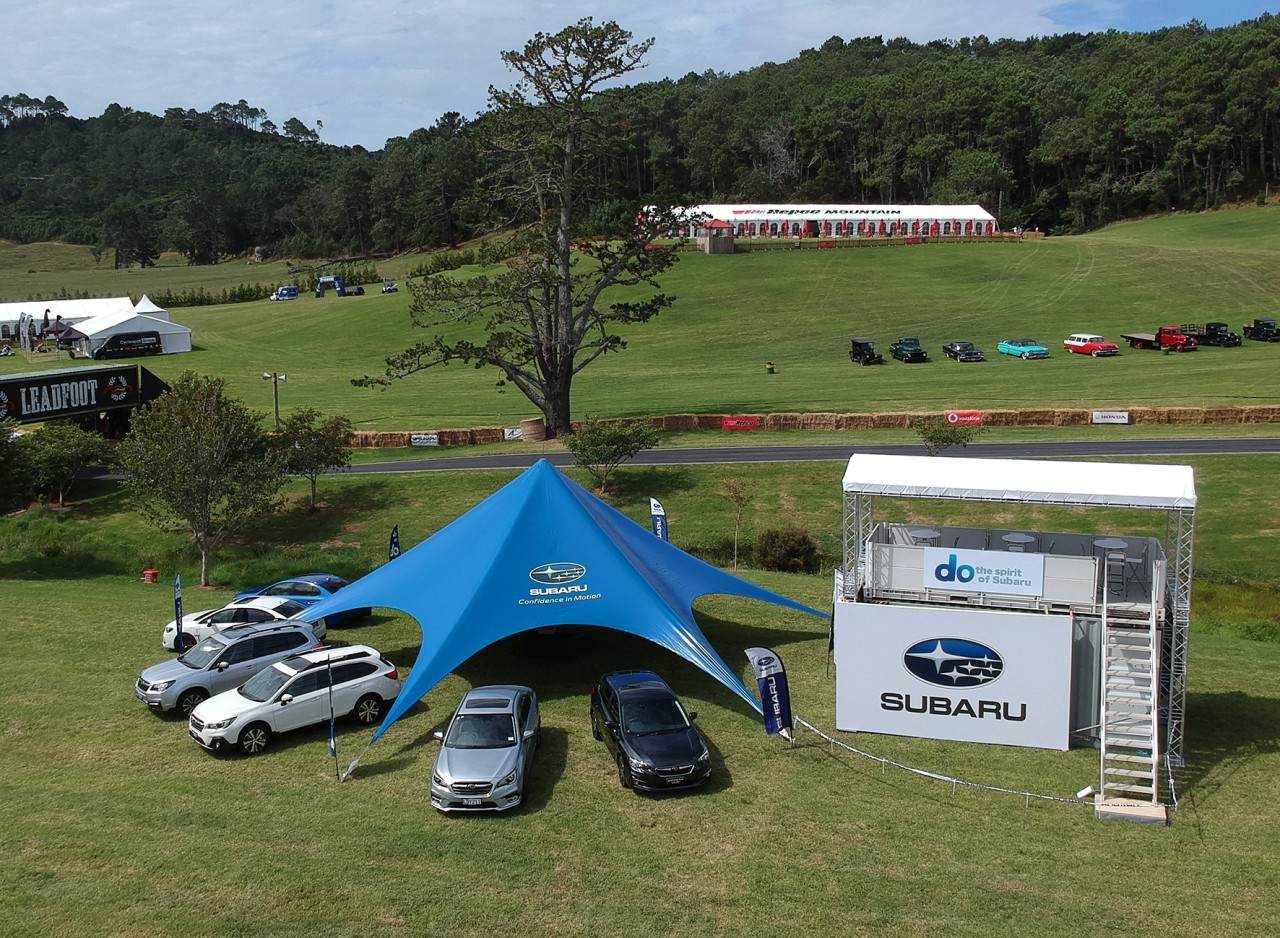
x=285, y=293
x=126, y=344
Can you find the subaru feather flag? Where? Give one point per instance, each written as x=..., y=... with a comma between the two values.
x=177, y=612
x=394, y=552
x=658, y=518
x=772, y=678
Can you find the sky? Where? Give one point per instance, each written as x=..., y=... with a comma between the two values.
x=376, y=69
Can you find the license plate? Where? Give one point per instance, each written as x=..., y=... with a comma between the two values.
x=675, y=780
x=471, y=802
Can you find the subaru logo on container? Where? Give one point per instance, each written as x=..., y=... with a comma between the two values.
x=558, y=573
x=953, y=662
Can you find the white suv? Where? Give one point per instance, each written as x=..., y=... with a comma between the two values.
x=302, y=690
x=199, y=625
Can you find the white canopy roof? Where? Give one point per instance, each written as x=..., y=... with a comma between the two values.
x=112, y=322
x=1031, y=481
x=69, y=310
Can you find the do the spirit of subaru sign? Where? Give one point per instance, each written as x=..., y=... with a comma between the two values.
x=983, y=571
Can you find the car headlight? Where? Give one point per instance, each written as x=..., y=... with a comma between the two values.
x=510, y=779
x=437, y=780
x=638, y=766
x=704, y=758
x=220, y=725
x=163, y=685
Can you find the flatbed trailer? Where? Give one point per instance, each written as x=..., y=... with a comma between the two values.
x=1166, y=337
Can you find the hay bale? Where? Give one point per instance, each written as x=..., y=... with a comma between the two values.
x=782, y=422
x=1186, y=415
x=1072, y=418
x=708, y=421
x=854, y=421
x=486, y=435
x=1260, y=413
x=680, y=422
x=819, y=421
x=1000, y=418
x=533, y=429
x=891, y=421
x=1223, y=415
x=1035, y=417
x=454, y=437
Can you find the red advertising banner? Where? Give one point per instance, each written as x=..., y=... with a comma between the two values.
x=964, y=418
x=739, y=423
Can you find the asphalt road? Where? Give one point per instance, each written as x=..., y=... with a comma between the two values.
x=756, y=454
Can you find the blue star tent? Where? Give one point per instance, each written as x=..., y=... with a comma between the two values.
x=544, y=551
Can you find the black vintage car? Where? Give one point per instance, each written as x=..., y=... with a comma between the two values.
x=908, y=349
x=1263, y=330
x=963, y=352
x=862, y=351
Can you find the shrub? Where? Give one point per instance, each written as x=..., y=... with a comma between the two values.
x=789, y=549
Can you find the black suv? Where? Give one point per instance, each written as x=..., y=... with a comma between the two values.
x=649, y=733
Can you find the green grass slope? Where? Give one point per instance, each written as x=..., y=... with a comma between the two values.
x=113, y=822
x=798, y=309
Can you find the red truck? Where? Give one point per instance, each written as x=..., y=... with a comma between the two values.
x=1166, y=337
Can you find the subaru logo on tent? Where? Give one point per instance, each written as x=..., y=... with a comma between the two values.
x=558, y=573
x=953, y=662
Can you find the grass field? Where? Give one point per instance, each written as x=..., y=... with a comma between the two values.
x=797, y=309
x=113, y=822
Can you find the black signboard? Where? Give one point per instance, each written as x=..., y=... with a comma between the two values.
x=68, y=392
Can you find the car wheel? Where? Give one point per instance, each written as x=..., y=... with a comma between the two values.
x=1093, y=354
x=624, y=772
x=1026, y=355
x=255, y=738
x=192, y=699
x=1139, y=345
x=595, y=726
x=188, y=642
x=368, y=709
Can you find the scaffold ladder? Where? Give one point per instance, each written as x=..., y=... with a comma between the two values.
x=1130, y=712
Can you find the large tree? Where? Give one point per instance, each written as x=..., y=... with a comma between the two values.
x=543, y=315
x=199, y=461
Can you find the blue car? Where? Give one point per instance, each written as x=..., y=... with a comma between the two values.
x=1023, y=348
x=307, y=590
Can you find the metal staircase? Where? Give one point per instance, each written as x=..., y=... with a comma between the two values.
x=1130, y=713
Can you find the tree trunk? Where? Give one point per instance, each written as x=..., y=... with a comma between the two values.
x=205, y=551
x=556, y=410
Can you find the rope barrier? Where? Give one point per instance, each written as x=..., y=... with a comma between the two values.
x=955, y=782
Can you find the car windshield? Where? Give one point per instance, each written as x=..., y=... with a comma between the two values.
x=200, y=656
x=481, y=731
x=651, y=715
x=263, y=685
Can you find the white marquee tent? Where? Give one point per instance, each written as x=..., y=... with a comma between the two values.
x=836, y=221
x=173, y=337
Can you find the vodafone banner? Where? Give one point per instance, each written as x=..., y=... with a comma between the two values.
x=964, y=418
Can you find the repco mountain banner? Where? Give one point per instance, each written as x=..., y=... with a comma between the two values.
x=68, y=392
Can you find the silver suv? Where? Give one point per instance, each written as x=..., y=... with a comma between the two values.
x=301, y=690
x=220, y=662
